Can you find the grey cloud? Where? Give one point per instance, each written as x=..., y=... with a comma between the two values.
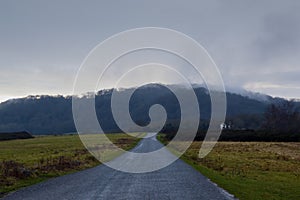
x=247, y=39
x=280, y=36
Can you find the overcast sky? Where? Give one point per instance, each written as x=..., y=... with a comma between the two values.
x=256, y=44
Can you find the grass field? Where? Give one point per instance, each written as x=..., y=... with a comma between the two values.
x=25, y=162
x=251, y=170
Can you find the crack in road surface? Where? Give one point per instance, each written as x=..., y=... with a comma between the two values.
x=176, y=181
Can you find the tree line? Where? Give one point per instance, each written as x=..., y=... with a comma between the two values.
x=280, y=122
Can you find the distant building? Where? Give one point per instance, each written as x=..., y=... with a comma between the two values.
x=225, y=126
x=15, y=135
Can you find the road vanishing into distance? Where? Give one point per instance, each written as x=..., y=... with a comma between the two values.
x=176, y=181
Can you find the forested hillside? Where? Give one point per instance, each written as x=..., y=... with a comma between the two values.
x=53, y=114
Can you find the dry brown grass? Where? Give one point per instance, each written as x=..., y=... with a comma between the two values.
x=252, y=170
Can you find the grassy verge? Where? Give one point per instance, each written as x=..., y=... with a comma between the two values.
x=251, y=170
x=26, y=162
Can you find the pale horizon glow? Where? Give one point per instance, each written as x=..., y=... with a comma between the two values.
x=249, y=88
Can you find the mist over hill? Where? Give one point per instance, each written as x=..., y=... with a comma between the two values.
x=53, y=114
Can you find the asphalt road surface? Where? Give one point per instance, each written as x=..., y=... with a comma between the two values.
x=176, y=181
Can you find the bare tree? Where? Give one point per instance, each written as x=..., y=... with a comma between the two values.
x=282, y=118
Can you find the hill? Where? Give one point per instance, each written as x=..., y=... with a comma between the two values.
x=53, y=114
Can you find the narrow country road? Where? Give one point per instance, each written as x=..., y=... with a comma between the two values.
x=177, y=181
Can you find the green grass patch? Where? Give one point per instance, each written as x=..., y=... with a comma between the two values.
x=251, y=170
x=26, y=162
